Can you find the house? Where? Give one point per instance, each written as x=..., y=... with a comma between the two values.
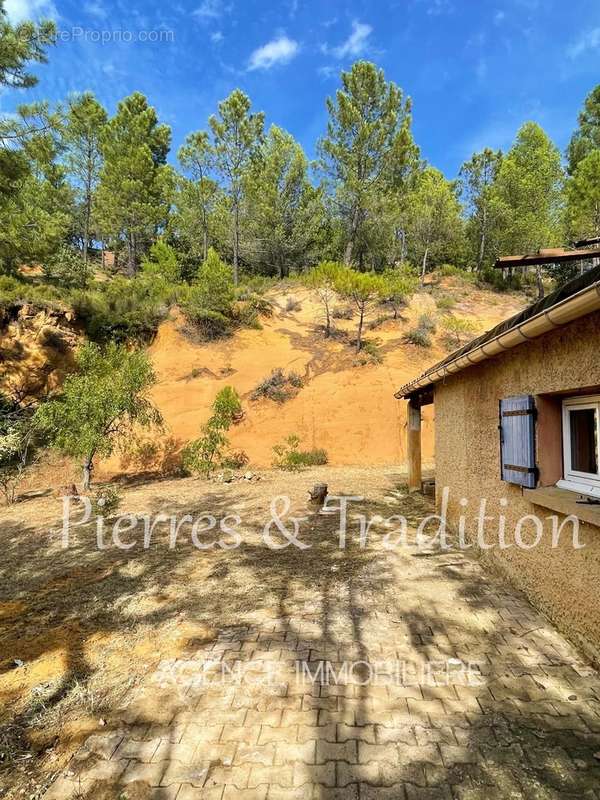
x=517, y=420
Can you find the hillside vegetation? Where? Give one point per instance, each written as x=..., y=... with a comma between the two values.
x=338, y=400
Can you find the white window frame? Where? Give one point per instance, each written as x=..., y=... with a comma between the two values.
x=582, y=482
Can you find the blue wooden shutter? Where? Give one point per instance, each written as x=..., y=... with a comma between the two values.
x=517, y=440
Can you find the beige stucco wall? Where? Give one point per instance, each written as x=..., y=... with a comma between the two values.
x=563, y=582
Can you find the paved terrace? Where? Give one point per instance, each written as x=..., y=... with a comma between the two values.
x=525, y=725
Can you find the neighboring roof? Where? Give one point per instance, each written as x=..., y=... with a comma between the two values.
x=575, y=299
x=551, y=255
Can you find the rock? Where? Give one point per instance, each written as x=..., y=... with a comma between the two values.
x=18, y=663
x=248, y=476
x=318, y=493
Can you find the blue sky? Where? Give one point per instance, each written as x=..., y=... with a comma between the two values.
x=475, y=69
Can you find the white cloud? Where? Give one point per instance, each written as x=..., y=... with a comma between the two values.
x=356, y=43
x=590, y=40
x=216, y=37
x=95, y=9
x=211, y=9
x=438, y=7
x=499, y=17
x=278, y=51
x=19, y=10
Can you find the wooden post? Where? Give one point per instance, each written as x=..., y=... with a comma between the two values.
x=414, y=447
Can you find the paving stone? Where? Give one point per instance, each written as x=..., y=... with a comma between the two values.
x=315, y=774
x=340, y=751
x=188, y=792
x=140, y=751
x=364, y=733
x=287, y=753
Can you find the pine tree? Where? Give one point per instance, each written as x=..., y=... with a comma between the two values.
x=135, y=181
x=368, y=150
x=477, y=178
x=285, y=209
x=197, y=157
x=85, y=122
x=587, y=136
x=237, y=137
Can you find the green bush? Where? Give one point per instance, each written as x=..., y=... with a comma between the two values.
x=106, y=501
x=162, y=262
x=370, y=353
x=123, y=309
x=288, y=456
x=279, y=386
x=236, y=459
x=342, y=312
x=211, y=324
x=445, y=302
x=208, y=303
x=203, y=455
x=259, y=305
x=66, y=269
x=427, y=323
x=16, y=290
x=450, y=271
x=418, y=336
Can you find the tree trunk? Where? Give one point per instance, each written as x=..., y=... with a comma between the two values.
x=540, y=283
x=481, y=254
x=205, y=243
x=86, y=235
x=131, y=254
x=87, y=473
x=236, y=243
x=360, y=327
x=350, y=244
x=424, y=266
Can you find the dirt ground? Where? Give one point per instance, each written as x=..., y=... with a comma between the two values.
x=347, y=408
x=79, y=627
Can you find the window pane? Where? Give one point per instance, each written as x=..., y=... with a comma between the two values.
x=584, y=440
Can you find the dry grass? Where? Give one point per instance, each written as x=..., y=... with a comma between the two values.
x=89, y=624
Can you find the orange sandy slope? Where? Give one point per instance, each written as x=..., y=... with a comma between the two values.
x=347, y=409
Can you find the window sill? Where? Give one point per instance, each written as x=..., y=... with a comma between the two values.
x=564, y=502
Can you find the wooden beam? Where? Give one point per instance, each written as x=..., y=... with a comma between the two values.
x=415, y=479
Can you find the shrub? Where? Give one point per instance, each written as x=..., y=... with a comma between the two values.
x=66, y=269
x=370, y=354
x=427, y=323
x=260, y=305
x=123, y=309
x=161, y=262
x=449, y=271
x=324, y=279
x=288, y=456
x=279, y=386
x=445, y=303
x=16, y=290
x=293, y=305
x=211, y=324
x=106, y=501
x=236, y=459
x=343, y=312
x=202, y=455
x=400, y=284
x=458, y=329
x=418, y=336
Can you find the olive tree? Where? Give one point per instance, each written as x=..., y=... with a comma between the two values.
x=100, y=404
